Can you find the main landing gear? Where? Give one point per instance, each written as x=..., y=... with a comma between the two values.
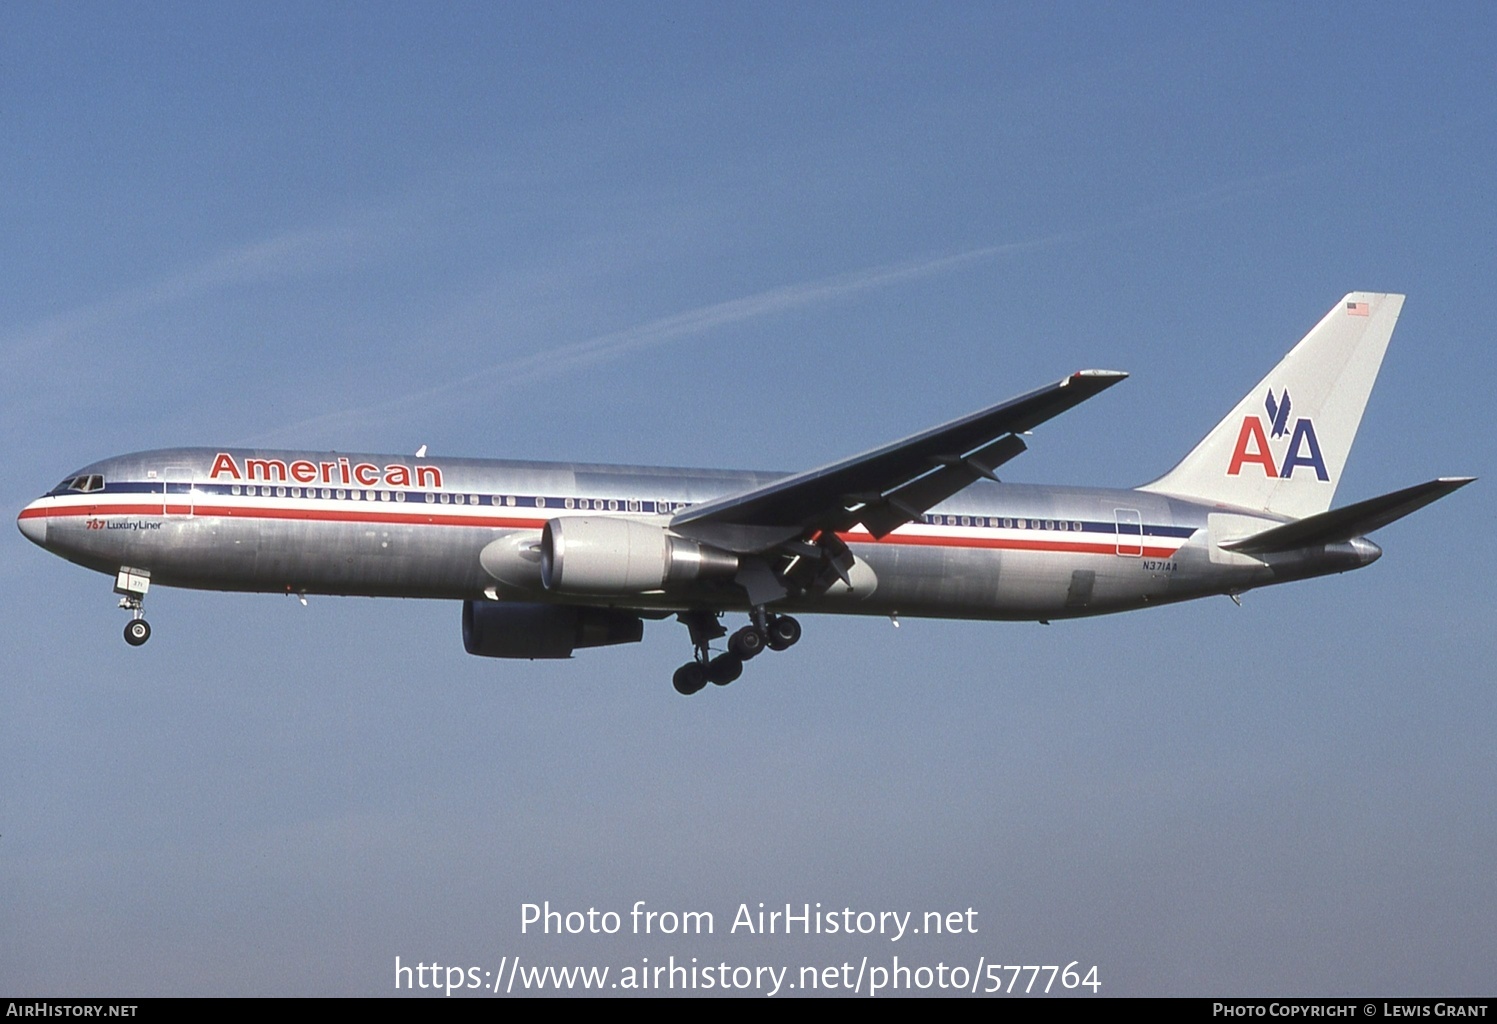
x=776, y=632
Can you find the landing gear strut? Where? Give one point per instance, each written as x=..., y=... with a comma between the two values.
x=776, y=632
x=133, y=584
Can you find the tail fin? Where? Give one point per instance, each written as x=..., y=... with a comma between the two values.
x=1281, y=450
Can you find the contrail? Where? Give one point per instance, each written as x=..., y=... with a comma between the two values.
x=306, y=251
x=693, y=322
x=673, y=328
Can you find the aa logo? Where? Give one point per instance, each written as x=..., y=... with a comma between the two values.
x=1253, y=448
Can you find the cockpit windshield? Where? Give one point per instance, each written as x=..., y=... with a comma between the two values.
x=87, y=482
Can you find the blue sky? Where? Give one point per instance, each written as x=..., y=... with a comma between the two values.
x=763, y=236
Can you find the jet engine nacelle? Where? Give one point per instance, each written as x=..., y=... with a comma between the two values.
x=505, y=630
x=588, y=555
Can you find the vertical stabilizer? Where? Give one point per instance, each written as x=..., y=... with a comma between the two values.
x=1282, y=449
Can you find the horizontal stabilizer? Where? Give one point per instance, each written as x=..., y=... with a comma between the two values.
x=1352, y=521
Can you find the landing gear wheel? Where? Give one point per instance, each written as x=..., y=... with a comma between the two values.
x=783, y=632
x=689, y=678
x=746, y=643
x=137, y=632
x=724, y=668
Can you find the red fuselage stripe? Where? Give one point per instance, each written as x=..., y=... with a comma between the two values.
x=492, y=522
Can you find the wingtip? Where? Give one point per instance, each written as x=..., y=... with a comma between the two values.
x=1106, y=377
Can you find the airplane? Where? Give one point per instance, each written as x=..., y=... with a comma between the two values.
x=551, y=558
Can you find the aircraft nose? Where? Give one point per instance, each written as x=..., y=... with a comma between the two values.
x=33, y=523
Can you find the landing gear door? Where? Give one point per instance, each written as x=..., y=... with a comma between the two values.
x=176, y=491
x=1130, y=532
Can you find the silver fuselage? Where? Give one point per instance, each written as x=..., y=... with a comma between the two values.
x=396, y=526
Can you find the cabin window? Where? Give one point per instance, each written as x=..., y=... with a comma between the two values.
x=399, y=495
x=540, y=502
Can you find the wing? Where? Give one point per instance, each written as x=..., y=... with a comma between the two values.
x=887, y=487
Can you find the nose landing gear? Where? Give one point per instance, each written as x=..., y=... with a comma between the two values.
x=133, y=584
